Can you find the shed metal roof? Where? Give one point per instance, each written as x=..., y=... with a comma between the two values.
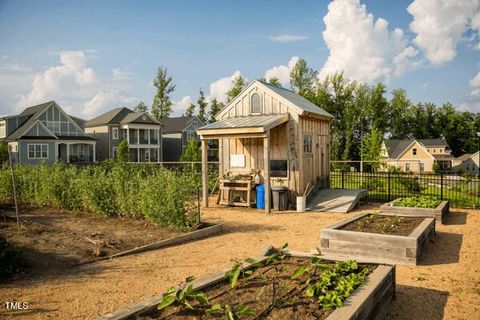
x=244, y=122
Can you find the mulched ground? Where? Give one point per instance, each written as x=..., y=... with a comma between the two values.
x=53, y=240
x=392, y=225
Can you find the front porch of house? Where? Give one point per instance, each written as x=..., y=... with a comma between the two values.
x=75, y=152
x=248, y=147
x=143, y=154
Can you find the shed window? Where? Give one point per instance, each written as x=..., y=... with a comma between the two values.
x=307, y=143
x=278, y=168
x=256, y=104
x=414, y=151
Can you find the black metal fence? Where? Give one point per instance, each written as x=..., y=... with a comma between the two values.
x=460, y=191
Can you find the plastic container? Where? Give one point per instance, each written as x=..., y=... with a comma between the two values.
x=260, y=188
x=280, y=198
x=301, y=203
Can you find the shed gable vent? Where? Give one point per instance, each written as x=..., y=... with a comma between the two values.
x=256, y=104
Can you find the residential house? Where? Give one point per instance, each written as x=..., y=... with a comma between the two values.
x=417, y=155
x=176, y=134
x=45, y=133
x=468, y=163
x=141, y=130
x=271, y=135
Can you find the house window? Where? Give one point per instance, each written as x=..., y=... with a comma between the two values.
x=307, y=143
x=147, y=155
x=256, y=104
x=407, y=167
x=434, y=150
x=3, y=131
x=145, y=134
x=278, y=168
x=414, y=151
x=115, y=152
x=38, y=151
x=422, y=167
x=115, y=133
x=190, y=135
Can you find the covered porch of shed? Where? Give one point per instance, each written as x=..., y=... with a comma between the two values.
x=251, y=140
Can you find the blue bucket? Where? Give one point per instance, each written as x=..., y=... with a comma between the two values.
x=260, y=196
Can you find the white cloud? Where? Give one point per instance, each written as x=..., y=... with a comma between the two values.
x=286, y=38
x=120, y=75
x=180, y=106
x=362, y=47
x=475, y=84
x=440, y=24
x=219, y=88
x=282, y=72
x=77, y=87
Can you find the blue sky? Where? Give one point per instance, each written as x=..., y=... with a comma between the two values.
x=94, y=55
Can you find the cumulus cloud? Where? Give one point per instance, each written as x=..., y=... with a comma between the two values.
x=362, y=47
x=286, y=38
x=475, y=84
x=180, y=106
x=77, y=87
x=219, y=88
x=440, y=25
x=282, y=72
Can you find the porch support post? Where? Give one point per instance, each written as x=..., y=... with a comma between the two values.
x=68, y=152
x=266, y=161
x=94, y=155
x=138, y=154
x=204, y=173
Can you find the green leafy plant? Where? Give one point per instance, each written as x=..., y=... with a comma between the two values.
x=417, y=202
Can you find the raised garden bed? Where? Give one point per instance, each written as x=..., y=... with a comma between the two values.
x=439, y=212
x=279, y=284
x=378, y=238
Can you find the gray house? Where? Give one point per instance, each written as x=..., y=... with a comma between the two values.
x=176, y=134
x=140, y=129
x=45, y=133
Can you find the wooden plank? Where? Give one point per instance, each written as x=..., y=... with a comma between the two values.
x=266, y=156
x=204, y=172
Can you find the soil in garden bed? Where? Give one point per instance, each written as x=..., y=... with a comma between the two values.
x=52, y=240
x=392, y=225
x=256, y=291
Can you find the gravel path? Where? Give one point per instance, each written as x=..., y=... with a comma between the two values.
x=446, y=285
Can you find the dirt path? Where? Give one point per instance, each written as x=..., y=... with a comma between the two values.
x=446, y=285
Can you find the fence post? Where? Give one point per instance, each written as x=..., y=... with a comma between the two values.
x=441, y=186
x=343, y=179
x=388, y=194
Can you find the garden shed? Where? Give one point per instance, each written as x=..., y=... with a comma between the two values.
x=268, y=135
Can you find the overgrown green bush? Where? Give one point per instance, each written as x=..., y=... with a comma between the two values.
x=164, y=197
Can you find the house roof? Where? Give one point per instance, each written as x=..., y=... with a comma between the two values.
x=443, y=156
x=36, y=109
x=297, y=100
x=463, y=157
x=396, y=147
x=120, y=115
x=177, y=124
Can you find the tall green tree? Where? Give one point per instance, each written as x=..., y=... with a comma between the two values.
x=202, y=107
x=399, y=115
x=141, y=107
x=239, y=83
x=162, y=105
x=192, y=152
x=372, y=147
x=190, y=110
x=215, y=108
x=302, y=78
x=122, y=151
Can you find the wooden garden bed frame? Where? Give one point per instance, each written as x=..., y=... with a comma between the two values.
x=373, y=247
x=440, y=213
x=369, y=301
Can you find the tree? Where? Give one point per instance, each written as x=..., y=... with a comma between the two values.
x=190, y=110
x=302, y=78
x=202, y=107
x=141, y=107
x=3, y=152
x=239, y=83
x=192, y=152
x=215, y=108
x=274, y=81
x=372, y=147
x=399, y=115
x=162, y=105
x=122, y=151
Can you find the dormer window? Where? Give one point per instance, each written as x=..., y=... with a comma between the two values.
x=256, y=104
x=414, y=151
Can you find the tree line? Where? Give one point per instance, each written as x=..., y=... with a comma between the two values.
x=364, y=114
